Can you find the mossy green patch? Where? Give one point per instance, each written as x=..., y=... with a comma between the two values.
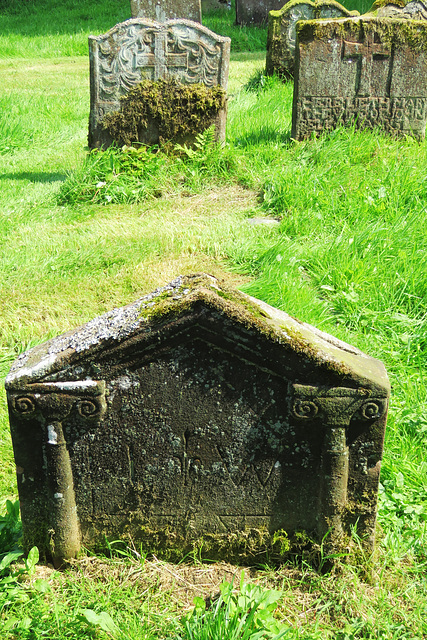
x=390, y=32
x=247, y=547
x=176, y=111
x=384, y=3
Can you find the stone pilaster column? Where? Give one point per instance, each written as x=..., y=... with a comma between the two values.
x=332, y=409
x=39, y=413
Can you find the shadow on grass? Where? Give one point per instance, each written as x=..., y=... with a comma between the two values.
x=34, y=177
x=262, y=136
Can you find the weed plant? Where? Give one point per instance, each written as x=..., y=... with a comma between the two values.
x=344, y=249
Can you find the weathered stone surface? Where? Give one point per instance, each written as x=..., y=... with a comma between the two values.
x=162, y=10
x=140, y=49
x=255, y=11
x=371, y=71
x=281, y=37
x=413, y=10
x=196, y=416
x=213, y=5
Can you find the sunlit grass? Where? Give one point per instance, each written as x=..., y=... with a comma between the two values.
x=347, y=254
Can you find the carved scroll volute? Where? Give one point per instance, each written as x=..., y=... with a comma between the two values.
x=334, y=408
x=50, y=404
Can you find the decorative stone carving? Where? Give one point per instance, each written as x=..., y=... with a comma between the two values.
x=51, y=415
x=368, y=71
x=162, y=10
x=281, y=37
x=196, y=417
x=139, y=49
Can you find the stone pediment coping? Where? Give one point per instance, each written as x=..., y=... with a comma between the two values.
x=185, y=298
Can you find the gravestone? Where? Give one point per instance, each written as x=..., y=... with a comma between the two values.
x=214, y=5
x=255, y=11
x=413, y=10
x=196, y=417
x=367, y=71
x=281, y=35
x=140, y=49
x=162, y=10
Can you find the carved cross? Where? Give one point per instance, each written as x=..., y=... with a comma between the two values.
x=365, y=54
x=160, y=60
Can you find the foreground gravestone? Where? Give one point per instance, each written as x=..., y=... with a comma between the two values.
x=162, y=10
x=196, y=418
x=367, y=71
x=255, y=11
x=138, y=50
x=281, y=37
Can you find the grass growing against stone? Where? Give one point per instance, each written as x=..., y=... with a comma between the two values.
x=344, y=249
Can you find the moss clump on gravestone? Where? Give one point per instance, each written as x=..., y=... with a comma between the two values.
x=384, y=3
x=178, y=112
x=410, y=33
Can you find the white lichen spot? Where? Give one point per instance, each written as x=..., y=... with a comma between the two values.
x=52, y=436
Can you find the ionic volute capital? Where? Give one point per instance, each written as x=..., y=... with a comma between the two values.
x=335, y=406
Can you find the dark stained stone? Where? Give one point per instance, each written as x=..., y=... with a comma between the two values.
x=281, y=35
x=162, y=10
x=214, y=5
x=196, y=417
x=140, y=49
x=367, y=70
x=255, y=11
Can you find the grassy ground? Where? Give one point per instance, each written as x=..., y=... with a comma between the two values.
x=79, y=235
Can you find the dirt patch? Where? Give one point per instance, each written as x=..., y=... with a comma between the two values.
x=182, y=583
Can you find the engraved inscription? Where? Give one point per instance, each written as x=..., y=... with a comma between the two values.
x=357, y=73
x=393, y=114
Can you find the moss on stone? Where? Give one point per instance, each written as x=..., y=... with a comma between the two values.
x=412, y=33
x=316, y=7
x=232, y=302
x=177, y=112
x=247, y=547
x=378, y=4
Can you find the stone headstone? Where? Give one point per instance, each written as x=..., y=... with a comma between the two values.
x=281, y=35
x=368, y=71
x=214, y=5
x=162, y=10
x=413, y=10
x=140, y=49
x=255, y=11
x=196, y=417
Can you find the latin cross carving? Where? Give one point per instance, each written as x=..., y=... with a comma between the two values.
x=366, y=54
x=160, y=60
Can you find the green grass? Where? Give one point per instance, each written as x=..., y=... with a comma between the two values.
x=348, y=256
